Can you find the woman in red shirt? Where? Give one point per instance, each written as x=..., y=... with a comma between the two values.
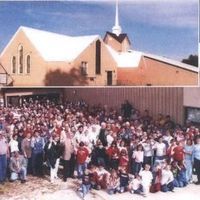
x=113, y=155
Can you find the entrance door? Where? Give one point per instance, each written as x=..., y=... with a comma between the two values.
x=109, y=78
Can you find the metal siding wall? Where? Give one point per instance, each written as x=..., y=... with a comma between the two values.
x=156, y=100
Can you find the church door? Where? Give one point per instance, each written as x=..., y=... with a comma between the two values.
x=109, y=78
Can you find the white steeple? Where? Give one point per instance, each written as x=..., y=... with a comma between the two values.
x=117, y=30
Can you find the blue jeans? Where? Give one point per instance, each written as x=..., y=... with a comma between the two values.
x=113, y=190
x=3, y=167
x=167, y=187
x=188, y=165
x=158, y=159
x=81, y=169
x=136, y=167
x=175, y=182
x=21, y=174
x=85, y=189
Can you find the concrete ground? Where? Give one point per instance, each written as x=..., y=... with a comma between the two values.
x=42, y=189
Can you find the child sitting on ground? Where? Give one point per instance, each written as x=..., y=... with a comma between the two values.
x=156, y=183
x=113, y=182
x=102, y=176
x=147, y=177
x=93, y=176
x=135, y=185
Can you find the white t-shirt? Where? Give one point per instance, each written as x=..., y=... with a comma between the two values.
x=135, y=184
x=160, y=149
x=109, y=139
x=167, y=177
x=138, y=156
x=147, y=149
x=79, y=137
x=13, y=146
x=147, y=177
x=167, y=138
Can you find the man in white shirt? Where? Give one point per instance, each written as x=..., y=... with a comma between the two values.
x=14, y=144
x=93, y=135
x=79, y=136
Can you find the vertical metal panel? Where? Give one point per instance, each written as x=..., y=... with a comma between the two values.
x=156, y=100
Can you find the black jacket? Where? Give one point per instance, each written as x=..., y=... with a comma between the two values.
x=52, y=153
x=102, y=137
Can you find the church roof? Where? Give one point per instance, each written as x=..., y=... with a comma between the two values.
x=132, y=58
x=57, y=47
x=126, y=59
x=171, y=62
x=119, y=38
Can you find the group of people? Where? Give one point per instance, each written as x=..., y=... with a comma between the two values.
x=116, y=150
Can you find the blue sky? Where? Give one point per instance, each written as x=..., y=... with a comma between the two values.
x=163, y=27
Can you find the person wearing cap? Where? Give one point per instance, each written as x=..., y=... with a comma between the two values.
x=3, y=157
x=17, y=167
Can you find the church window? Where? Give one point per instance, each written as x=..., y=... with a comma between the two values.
x=84, y=68
x=13, y=64
x=98, y=57
x=28, y=64
x=20, y=52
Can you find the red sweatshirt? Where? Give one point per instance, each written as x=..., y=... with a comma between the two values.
x=113, y=152
x=82, y=154
x=178, y=153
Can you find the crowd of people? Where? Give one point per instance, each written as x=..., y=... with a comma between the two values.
x=105, y=148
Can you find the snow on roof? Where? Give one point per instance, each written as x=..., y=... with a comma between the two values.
x=172, y=62
x=126, y=59
x=57, y=47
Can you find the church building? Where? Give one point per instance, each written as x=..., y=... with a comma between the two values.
x=40, y=58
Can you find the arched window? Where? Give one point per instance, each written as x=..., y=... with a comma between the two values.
x=28, y=64
x=20, y=52
x=14, y=65
x=98, y=57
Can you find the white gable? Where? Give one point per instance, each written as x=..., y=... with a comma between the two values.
x=57, y=47
x=126, y=59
